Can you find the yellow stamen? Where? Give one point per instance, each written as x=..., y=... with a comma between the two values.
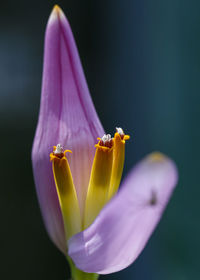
x=118, y=162
x=97, y=195
x=66, y=193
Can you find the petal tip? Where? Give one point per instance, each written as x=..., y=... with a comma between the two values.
x=160, y=158
x=56, y=14
x=156, y=156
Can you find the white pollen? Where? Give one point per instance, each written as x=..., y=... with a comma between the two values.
x=58, y=150
x=120, y=130
x=106, y=138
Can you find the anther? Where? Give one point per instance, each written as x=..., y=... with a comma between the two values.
x=120, y=131
x=58, y=151
x=106, y=141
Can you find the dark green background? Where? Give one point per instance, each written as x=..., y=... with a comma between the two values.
x=142, y=62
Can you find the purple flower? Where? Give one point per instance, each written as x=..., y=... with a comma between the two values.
x=99, y=229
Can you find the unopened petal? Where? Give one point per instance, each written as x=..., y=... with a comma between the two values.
x=123, y=227
x=67, y=116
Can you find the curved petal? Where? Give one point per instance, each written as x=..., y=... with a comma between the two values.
x=67, y=116
x=123, y=227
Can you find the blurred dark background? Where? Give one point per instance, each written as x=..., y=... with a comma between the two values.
x=142, y=63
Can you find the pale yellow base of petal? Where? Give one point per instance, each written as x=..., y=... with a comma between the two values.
x=77, y=274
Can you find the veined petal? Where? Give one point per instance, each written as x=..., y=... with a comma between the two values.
x=67, y=116
x=123, y=227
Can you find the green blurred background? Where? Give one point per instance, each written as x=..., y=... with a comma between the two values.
x=142, y=63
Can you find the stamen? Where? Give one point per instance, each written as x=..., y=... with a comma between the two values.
x=119, y=142
x=120, y=131
x=66, y=191
x=58, y=150
x=97, y=195
x=106, y=141
x=106, y=138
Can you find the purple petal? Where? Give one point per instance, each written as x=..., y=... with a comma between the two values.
x=122, y=229
x=67, y=116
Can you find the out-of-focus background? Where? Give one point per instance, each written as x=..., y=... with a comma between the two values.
x=142, y=63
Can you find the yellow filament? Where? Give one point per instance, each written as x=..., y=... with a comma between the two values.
x=97, y=195
x=118, y=163
x=66, y=194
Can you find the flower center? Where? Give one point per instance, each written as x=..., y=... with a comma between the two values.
x=104, y=181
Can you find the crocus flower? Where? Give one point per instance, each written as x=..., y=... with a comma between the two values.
x=99, y=229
